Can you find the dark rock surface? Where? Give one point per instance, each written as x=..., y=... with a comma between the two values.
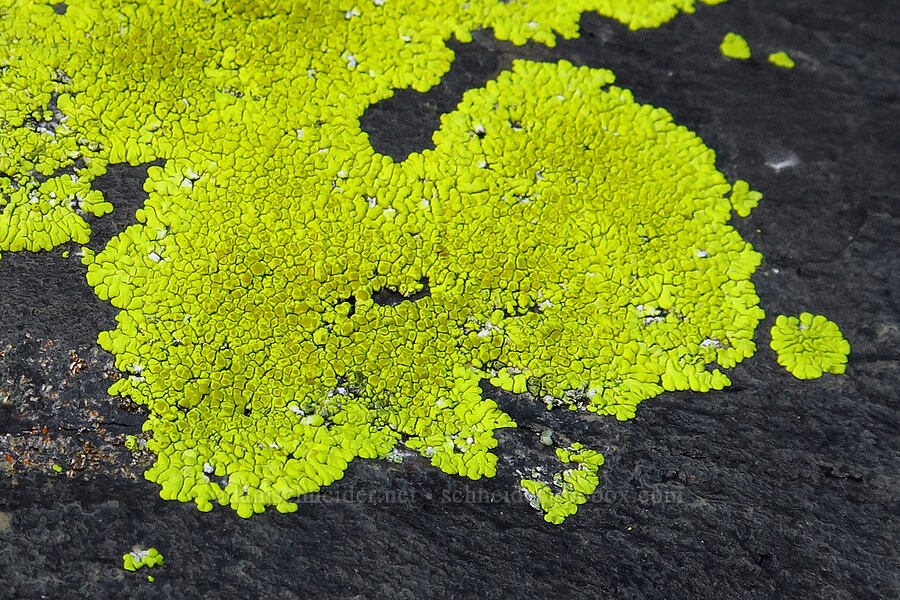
x=773, y=488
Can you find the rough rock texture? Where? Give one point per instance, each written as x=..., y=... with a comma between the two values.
x=772, y=488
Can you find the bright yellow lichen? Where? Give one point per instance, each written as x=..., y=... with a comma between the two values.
x=106, y=82
x=735, y=46
x=782, y=59
x=743, y=199
x=573, y=486
x=138, y=558
x=560, y=239
x=809, y=345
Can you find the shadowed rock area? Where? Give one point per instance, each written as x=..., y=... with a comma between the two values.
x=771, y=488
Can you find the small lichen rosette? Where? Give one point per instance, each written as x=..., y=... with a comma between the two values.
x=809, y=345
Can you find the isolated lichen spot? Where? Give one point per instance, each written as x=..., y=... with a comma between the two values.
x=140, y=558
x=809, y=345
x=782, y=59
x=735, y=46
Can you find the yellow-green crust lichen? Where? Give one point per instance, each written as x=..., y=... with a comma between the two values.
x=782, y=59
x=137, y=559
x=809, y=345
x=573, y=486
x=735, y=46
x=107, y=83
x=743, y=199
x=264, y=384
x=561, y=238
